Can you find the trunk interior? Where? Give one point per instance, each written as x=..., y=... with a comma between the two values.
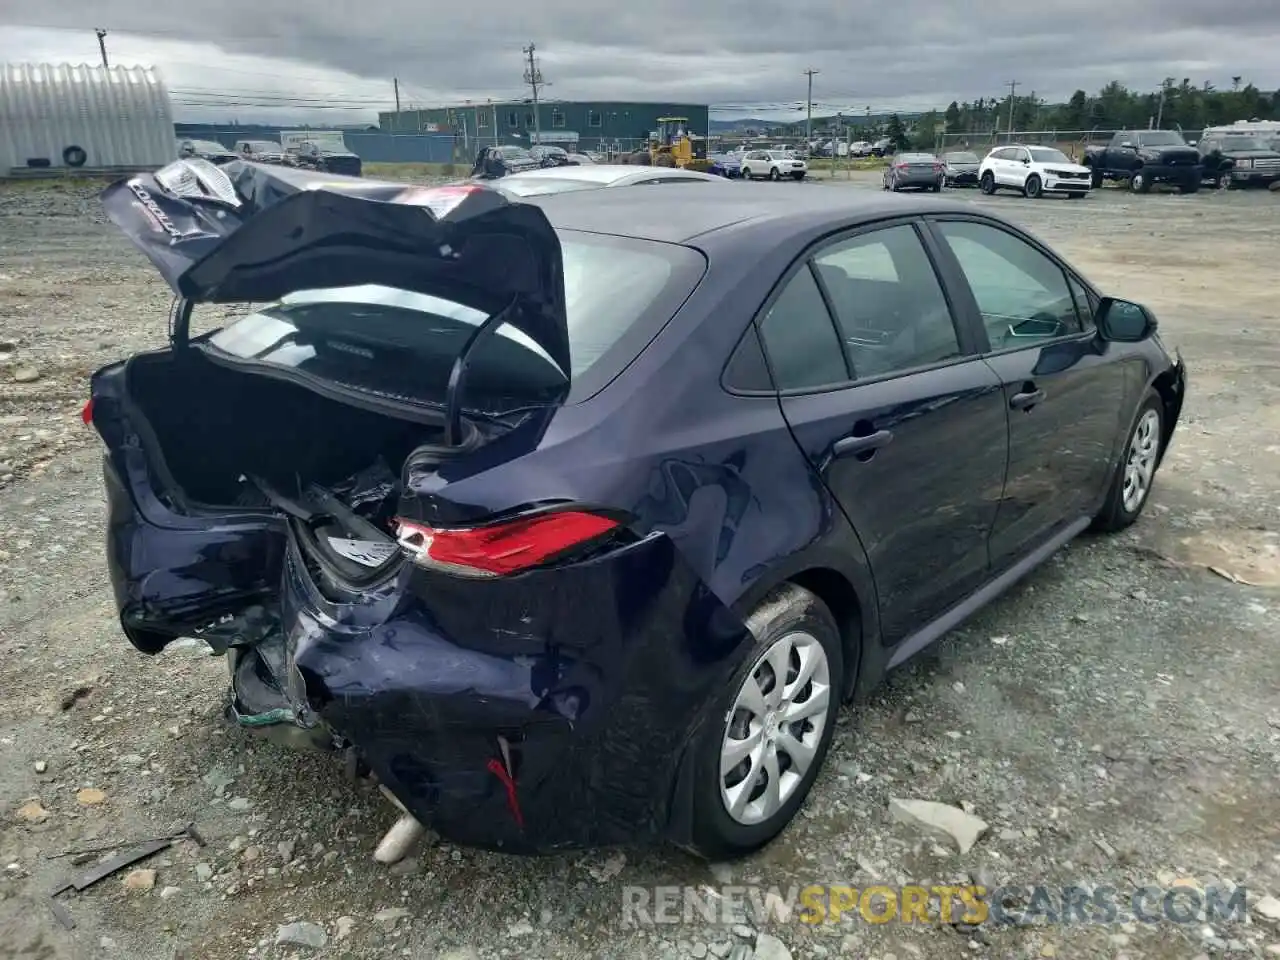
x=215, y=425
x=236, y=439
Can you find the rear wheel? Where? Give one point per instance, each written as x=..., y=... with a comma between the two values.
x=761, y=749
x=988, y=183
x=1136, y=471
x=1032, y=187
x=774, y=175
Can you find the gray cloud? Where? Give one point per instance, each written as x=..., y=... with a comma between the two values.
x=748, y=54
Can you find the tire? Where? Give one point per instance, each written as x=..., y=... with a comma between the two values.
x=74, y=156
x=1077, y=195
x=1095, y=179
x=1142, y=445
x=1189, y=186
x=746, y=174
x=988, y=184
x=789, y=615
x=774, y=175
x=1140, y=182
x=798, y=177
x=1031, y=189
x=936, y=188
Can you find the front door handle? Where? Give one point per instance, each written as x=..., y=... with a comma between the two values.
x=1027, y=398
x=865, y=444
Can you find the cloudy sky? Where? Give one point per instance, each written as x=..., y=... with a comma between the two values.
x=334, y=59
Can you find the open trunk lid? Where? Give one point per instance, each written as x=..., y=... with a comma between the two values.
x=246, y=232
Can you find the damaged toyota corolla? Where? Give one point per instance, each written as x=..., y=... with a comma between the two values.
x=572, y=520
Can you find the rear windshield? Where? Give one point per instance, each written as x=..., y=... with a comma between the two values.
x=400, y=345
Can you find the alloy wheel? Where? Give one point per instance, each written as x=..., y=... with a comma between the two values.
x=774, y=729
x=1140, y=462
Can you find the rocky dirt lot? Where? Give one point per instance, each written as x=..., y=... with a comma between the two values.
x=1115, y=720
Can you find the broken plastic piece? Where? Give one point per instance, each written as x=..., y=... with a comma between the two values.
x=513, y=801
x=397, y=842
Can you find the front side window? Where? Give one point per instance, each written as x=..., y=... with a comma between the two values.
x=888, y=302
x=1022, y=294
x=800, y=339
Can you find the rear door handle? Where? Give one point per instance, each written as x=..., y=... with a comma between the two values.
x=867, y=444
x=1026, y=399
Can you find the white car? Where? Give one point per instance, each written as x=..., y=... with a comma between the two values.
x=1033, y=171
x=774, y=164
x=547, y=180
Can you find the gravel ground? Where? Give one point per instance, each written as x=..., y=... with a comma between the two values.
x=1115, y=720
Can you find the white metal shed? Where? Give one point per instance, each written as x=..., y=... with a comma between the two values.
x=81, y=117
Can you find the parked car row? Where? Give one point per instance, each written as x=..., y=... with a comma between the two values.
x=320, y=155
x=1227, y=157
x=1140, y=159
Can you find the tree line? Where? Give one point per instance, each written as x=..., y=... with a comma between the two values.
x=1175, y=104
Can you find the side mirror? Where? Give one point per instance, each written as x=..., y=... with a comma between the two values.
x=1191, y=143
x=1123, y=321
x=1126, y=143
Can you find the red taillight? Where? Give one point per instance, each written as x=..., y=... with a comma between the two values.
x=500, y=548
x=87, y=413
x=901, y=166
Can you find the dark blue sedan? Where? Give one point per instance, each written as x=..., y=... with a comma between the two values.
x=727, y=165
x=575, y=520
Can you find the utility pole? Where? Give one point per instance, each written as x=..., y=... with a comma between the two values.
x=533, y=77
x=395, y=81
x=808, y=120
x=102, y=45
x=1013, y=92
x=1160, y=109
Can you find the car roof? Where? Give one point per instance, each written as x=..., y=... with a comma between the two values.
x=679, y=216
x=609, y=173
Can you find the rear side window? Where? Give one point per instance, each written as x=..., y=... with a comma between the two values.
x=401, y=345
x=800, y=338
x=892, y=312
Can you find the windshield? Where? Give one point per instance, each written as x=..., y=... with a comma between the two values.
x=1048, y=155
x=1159, y=138
x=1243, y=143
x=401, y=345
x=208, y=146
x=963, y=157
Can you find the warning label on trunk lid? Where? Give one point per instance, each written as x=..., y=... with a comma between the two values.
x=368, y=553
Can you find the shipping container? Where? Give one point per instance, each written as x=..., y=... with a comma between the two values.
x=80, y=118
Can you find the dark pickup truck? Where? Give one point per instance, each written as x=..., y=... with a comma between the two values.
x=1238, y=161
x=1145, y=157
